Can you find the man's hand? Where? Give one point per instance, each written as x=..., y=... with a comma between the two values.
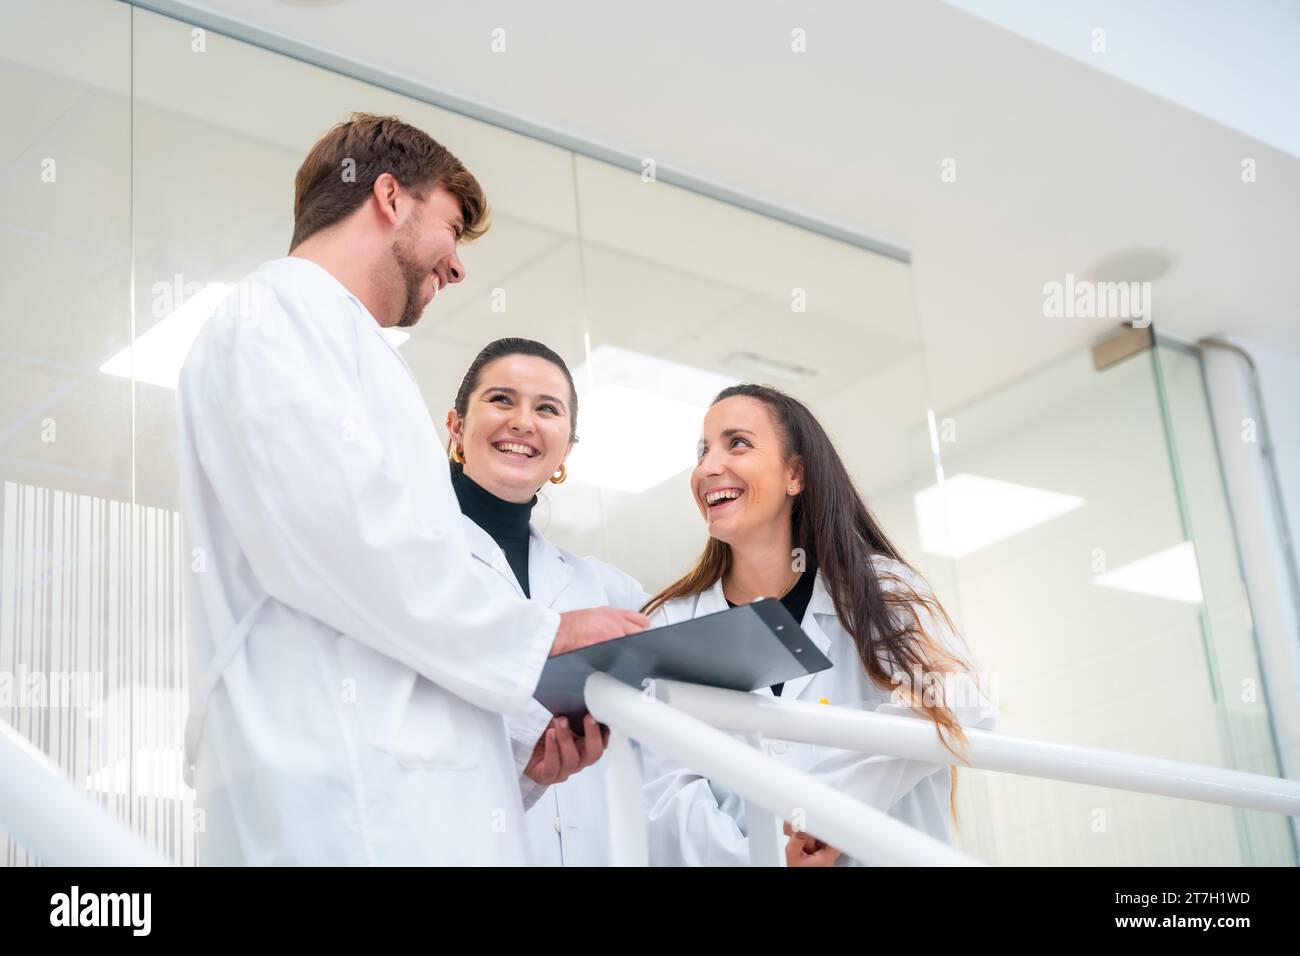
x=806, y=850
x=559, y=754
x=594, y=625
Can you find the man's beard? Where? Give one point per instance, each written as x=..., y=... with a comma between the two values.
x=413, y=276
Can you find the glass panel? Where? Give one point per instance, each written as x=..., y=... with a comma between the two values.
x=1245, y=734
x=685, y=295
x=67, y=525
x=1078, y=586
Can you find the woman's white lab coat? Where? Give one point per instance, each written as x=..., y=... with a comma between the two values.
x=350, y=660
x=567, y=824
x=694, y=821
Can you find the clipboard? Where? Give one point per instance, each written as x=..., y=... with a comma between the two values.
x=742, y=648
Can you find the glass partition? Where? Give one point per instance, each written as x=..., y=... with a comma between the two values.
x=1244, y=733
x=70, y=538
x=685, y=295
x=1102, y=618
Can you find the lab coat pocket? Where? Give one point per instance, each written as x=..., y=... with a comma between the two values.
x=412, y=720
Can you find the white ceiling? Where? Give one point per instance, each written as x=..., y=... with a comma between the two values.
x=1234, y=63
x=1058, y=165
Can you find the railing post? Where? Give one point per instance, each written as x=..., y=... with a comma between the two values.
x=627, y=819
x=762, y=827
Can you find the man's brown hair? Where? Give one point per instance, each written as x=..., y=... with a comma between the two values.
x=339, y=173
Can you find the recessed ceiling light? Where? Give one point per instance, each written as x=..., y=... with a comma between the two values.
x=1132, y=265
x=760, y=367
x=968, y=512
x=158, y=355
x=639, y=418
x=1171, y=573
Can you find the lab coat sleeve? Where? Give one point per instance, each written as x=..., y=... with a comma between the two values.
x=621, y=591
x=530, y=791
x=524, y=730
x=326, y=524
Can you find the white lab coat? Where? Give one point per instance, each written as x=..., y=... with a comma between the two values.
x=567, y=824
x=694, y=821
x=350, y=661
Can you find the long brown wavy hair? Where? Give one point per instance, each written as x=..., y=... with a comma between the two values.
x=839, y=535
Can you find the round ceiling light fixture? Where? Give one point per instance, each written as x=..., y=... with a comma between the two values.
x=1133, y=265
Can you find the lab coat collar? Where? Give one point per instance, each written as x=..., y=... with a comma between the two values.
x=821, y=610
x=307, y=265
x=820, y=602
x=820, y=607
x=549, y=572
x=710, y=601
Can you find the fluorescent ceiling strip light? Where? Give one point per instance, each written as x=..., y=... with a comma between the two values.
x=639, y=418
x=158, y=354
x=761, y=367
x=967, y=513
x=1171, y=574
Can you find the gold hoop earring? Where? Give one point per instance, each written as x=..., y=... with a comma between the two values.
x=455, y=453
x=559, y=476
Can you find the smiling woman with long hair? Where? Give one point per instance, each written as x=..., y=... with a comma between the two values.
x=785, y=521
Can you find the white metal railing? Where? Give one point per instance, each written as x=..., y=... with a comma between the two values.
x=62, y=825
x=915, y=739
x=703, y=742
x=855, y=828
x=57, y=821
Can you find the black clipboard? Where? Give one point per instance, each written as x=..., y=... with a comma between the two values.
x=742, y=648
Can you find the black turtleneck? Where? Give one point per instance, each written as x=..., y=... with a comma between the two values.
x=796, y=602
x=505, y=521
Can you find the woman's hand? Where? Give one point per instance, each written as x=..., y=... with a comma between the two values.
x=806, y=850
x=559, y=753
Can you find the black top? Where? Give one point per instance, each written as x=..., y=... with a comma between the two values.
x=796, y=602
x=505, y=521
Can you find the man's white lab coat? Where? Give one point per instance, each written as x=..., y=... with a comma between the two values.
x=350, y=660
